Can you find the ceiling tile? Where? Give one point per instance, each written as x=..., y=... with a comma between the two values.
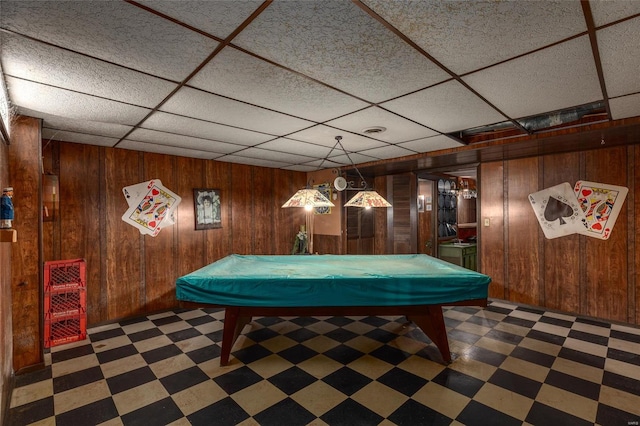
x=446, y=107
x=387, y=152
x=434, y=143
x=49, y=65
x=254, y=161
x=206, y=106
x=324, y=135
x=297, y=147
x=66, y=136
x=241, y=76
x=300, y=168
x=619, y=47
x=218, y=18
x=180, y=141
x=97, y=128
x=463, y=35
x=53, y=101
x=114, y=31
x=522, y=88
x=164, y=149
x=398, y=129
x=274, y=155
x=178, y=124
x=605, y=12
x=338, y=43
x=352, y=158
x=625, y=107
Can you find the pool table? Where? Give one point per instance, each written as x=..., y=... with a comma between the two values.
x=416, y=286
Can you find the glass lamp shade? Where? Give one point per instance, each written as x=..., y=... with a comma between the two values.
x=367, y=199
x=309, y=199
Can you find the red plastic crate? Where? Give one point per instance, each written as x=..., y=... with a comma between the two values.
x=65, y=330
x=63, y=303
x=64, y=274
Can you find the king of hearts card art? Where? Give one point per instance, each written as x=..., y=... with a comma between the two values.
x=601, y=204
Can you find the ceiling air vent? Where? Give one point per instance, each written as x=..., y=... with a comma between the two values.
x=373, y=130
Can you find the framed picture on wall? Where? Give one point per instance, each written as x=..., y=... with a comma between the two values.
x=207, y=208
x=420, y=203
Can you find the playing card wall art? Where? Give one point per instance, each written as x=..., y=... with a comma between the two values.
x=151, y=206
x=587, y=208
x=207, y=208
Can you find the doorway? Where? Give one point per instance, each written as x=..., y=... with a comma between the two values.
x=447, y=215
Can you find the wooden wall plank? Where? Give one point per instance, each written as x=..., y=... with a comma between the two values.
x=122, y=259
x=561, y=272
x=25, y=156
x=491, y=238
x=288, y=221
x=606, y=265
x=523, y=250
x=242, y=216
x=634, y=308
x=79, y=237
x=263, y=207
x=218, y=240
x=158, y=283
x=191, y=250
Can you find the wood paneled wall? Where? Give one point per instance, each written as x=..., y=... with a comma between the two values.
x=576, y=273
x=129, y=274
x=6, y=323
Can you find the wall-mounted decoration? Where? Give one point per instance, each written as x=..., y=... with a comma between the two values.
x=207, y=208
x=447, y=208
x=151, y=206
x=50, y=198
x=587, y=208
x=325, y=189
x=421, y=203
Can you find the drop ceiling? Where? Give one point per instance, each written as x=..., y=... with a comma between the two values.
x=272, y=83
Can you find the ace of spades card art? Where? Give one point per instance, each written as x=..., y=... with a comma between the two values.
x=558, y=211
x=601, y=204
x=151, y=206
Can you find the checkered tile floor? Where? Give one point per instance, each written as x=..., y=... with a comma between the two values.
x=512, y=365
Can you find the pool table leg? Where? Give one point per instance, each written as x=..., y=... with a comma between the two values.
x=432, y=324
x=234, y=322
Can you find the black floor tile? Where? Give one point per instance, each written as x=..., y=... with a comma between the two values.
x=237, y=380
x=540, y=414
x=130, y=379
x=32, y=412
x=71, y=353
x=485, y=355
x=158, y=354
x=202, y=319
x=292, y=380
x=340, y=321
x=160, y=412
x=376, y=321
x=303, y=321
x=350, y=413
x=297, y=354
x=343, y=354
x=204, y=354
x=286, y=412
x=402, y=381
x=170, y=319
x=347, y=380
x=390, y=354
x=261, y=334
x=628, y=357
x=626, y=384
x=556, y=321
x=629, y=337
x=515, y=383
x=463, y=336
x=107, y=334
x=459, y=382
x=588, y=337
x=89, y=415
x=607, y=415
x=251, y=353
x=573, y=384
x=519, y=321
x=77, y=379
x=341, y=335
x=504, y=336
x=145, y=334
x=412, y=413
x=582, y=357
x=478, y=414
x=187, y=333
x=116, y=353
x=381, y=335
x=226, y=412
x=302, y=334
x=184, y=379
x=546, y=337
x=534, y=357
